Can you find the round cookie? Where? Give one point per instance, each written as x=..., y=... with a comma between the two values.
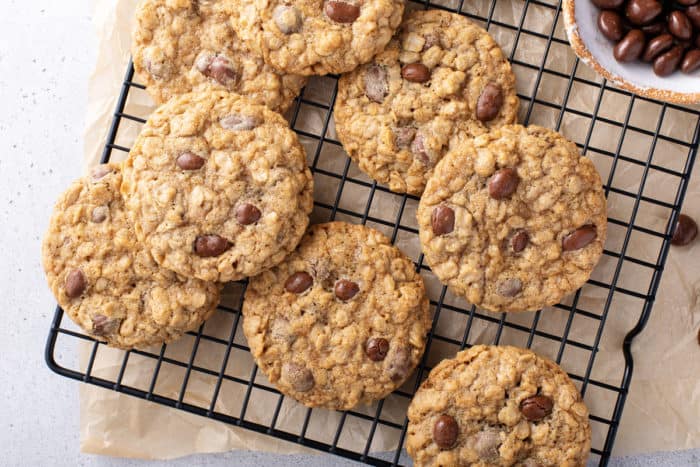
x=342, y=321
x=191, y=45
x=498, y=406
x=440, y=76
x=317, y=37
x=217, y=187
x=513, y=220
x=103, y=278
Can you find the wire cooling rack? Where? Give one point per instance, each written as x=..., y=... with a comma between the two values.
x=645, y=165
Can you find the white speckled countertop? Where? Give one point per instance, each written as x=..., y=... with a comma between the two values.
x=46, y=55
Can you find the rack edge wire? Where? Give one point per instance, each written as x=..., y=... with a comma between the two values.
x=263, y=429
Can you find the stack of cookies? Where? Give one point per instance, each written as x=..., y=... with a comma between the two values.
x=216, y=189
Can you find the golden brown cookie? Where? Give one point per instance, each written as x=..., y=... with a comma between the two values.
x=441, y=75
x=106, y=281
x=316, y=37
x=217, y=187
x=513, y=220
x=191, y=45
x=498, y=406
x=340, y=322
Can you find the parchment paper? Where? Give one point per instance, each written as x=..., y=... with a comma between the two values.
x=662, y=407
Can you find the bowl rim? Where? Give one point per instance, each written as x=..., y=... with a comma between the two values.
x=581, y=50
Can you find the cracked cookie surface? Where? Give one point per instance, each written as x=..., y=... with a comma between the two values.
x=513, y=220
x=441, y=75
x=317, y=37
x=105, y=281
x=191, y=45
x=217, y=186
x=498, y=406
x=341, y=321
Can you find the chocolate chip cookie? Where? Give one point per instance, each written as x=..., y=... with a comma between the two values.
x=191, y=45
x=217, y=186
x=513, y=220
x=341, y=321
x=498, y=406
x=103, y=278
x=440, y=76
x=316, y=37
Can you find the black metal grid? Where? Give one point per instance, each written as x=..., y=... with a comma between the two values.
x=640, y=222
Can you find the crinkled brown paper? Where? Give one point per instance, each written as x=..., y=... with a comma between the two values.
x=662, y=407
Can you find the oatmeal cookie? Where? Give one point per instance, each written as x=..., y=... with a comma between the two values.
x=191, y=45
x=217, y=186
x=440, y=76
x=316, y=37
x=514, y=219
x=105, y=281
x=498, y=406
x=341, y=321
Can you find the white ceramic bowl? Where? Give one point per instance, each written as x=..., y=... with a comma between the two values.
x=580, y=20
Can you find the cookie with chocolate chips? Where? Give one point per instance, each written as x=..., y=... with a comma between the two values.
x=513, y=220
x=496, y=406
x=342, y=321
x=440, y=76
x=217, y=187
x=316, y=37
x=106, y=281
x=191, y=45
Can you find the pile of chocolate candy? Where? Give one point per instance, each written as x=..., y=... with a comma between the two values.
x=664, y=33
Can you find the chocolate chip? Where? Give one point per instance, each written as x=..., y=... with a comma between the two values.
x=691, y=61
x=579, y=238
x=535, y=408
x=630, y=47
x=693, y=13
x=519, y=241
x=398, y=366
x=299, y=377
x=345, y=289
x=698, y=336
x=610, y=25
x=608, y=4
x=238, y=122
x=657, y=46
x=342, y=12
x=376, y=84
x=687, y=2
x=442, y=220
x=509, y=287
x=421, y=150
x=75, y=283
x=445, y=431
x=642, y=11
x=287, y=18
x=298, y=282
x=207, y=246
x=503, y=183
x=403, y=136
x=247, y=214
x=99, y=214
x=415, y=73
x=190, y=161
x=489, y=103
x=103, y=326
x=220, y=69
x=668, y=62
x=377, y=348
x=685, y=232
x=654, y=29
x=679, y=25
x=100, y=172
